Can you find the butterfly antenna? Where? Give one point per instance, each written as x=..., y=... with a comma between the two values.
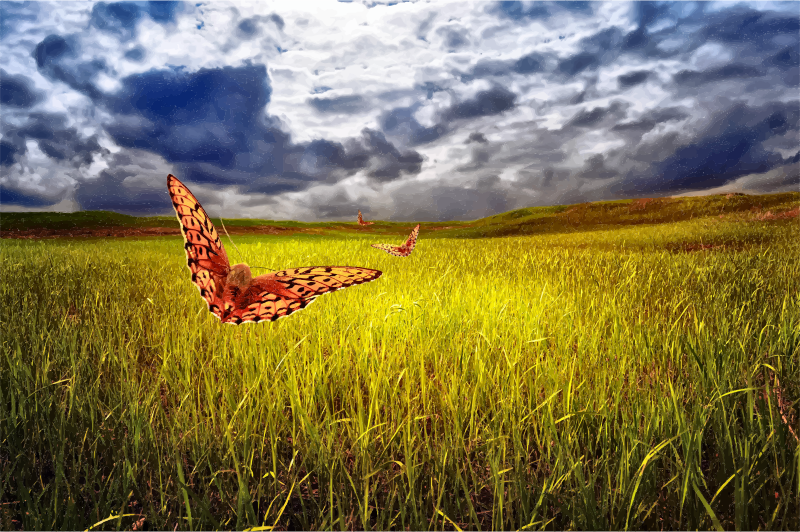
x=229, y=238
x=237, y=249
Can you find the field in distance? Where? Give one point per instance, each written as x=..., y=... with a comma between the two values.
x=532, y=220
x=629, y=364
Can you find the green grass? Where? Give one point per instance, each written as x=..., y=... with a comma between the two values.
x=587, y=379
x=532, y=220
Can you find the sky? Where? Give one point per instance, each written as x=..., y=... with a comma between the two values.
x=408, y=111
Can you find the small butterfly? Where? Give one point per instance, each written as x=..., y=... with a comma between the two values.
x=361, y=220
x=232, y=293
x=404, y=250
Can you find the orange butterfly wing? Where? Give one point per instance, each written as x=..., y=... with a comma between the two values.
x=361, y=220
x=397, y=251
x=205, y=254
x=404, y=250
x=267, y=297
x=412, y=239
x=278, y=294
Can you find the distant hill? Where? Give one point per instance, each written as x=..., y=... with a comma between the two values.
x=531, y=220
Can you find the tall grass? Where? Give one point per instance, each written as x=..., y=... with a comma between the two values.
x=605, y=379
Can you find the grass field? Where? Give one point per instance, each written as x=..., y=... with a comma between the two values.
x=603, y=366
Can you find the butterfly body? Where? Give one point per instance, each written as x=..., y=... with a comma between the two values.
x=403, y=250
x=232, y=293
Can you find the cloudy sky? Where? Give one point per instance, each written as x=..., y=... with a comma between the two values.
x=408, y=111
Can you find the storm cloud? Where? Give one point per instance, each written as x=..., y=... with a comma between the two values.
x=437, y=114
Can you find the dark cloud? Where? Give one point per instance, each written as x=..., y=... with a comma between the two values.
x=519, y=11
x=324, y=155
x=162, y=10
x=694, y=78
x=786, y=58
x=529, y=64
x=400, y=123
x=745, y=25
x=603, y=41
x=342, y=104
x=487, y=182
x=9, y=196
x=480, y=155
x=548, y=178
x=111, y=192
x=578, y=98
x=9, y=152
x=595, y=168
x=649, y=121
x=633, y=78
x=454, y=37
x=277, y=20
x=58, y=58
x=489, y=102
x=636, y=40
x=338, y=205
x=489, y=67
x=476, y=137
x=248, y=27
x=430, y=88
x=647, y=14
x=12, y=13
x=441, y=203
x=117, y=17
x=212, y=123
x=52, y=48
x=731, y=147
x=212, y=115
x=17, y=91
x=387, y=162
x=135, y=54
x=425, y=26
x=57, y=141
x=589, y=118
x=685, y=27
x=578, y=63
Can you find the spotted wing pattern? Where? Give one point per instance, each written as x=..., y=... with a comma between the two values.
x=267, y=297
x=281, y=293
x=205, y=254
x=404, y=250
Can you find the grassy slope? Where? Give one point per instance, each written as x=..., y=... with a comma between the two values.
x=532, y=220
x=591, y=379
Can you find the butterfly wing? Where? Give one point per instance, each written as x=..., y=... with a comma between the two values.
x=205, y=254
x=404, y=250
x=397, y=251
x=412, y=240
x=281, y=293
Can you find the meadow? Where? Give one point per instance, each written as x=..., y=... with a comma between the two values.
x=625, y=365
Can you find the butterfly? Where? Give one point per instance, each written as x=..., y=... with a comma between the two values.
x=232, y=293
x=361, y=220
x=404, y=250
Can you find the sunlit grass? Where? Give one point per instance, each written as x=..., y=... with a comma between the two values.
x=607, y=379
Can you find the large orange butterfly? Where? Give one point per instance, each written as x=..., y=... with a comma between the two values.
x=361, y=220
x=404, y=250
x=232, y=293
